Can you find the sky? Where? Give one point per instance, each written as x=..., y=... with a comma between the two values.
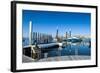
x=48, y=21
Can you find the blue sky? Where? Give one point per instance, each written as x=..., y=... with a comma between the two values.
x=48, y=21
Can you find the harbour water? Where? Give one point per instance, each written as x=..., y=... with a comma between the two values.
x=76, y=49
x=70, y=49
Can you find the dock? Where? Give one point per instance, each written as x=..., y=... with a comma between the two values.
x=58, y=58
x=34, y=51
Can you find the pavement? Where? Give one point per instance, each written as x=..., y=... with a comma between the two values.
x=26, y=59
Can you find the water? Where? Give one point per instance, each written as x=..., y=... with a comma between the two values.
x=78, y=49
x=81, y=48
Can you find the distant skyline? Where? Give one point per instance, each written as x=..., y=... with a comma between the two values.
x=48, y=21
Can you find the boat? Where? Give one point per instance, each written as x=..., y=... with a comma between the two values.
x=73, y=40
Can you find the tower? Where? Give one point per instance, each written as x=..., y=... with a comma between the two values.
x=66, y=35
x=70, y=33
x=57, y=33
x=30, y=33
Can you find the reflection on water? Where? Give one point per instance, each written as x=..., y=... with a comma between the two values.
x=69, y=49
